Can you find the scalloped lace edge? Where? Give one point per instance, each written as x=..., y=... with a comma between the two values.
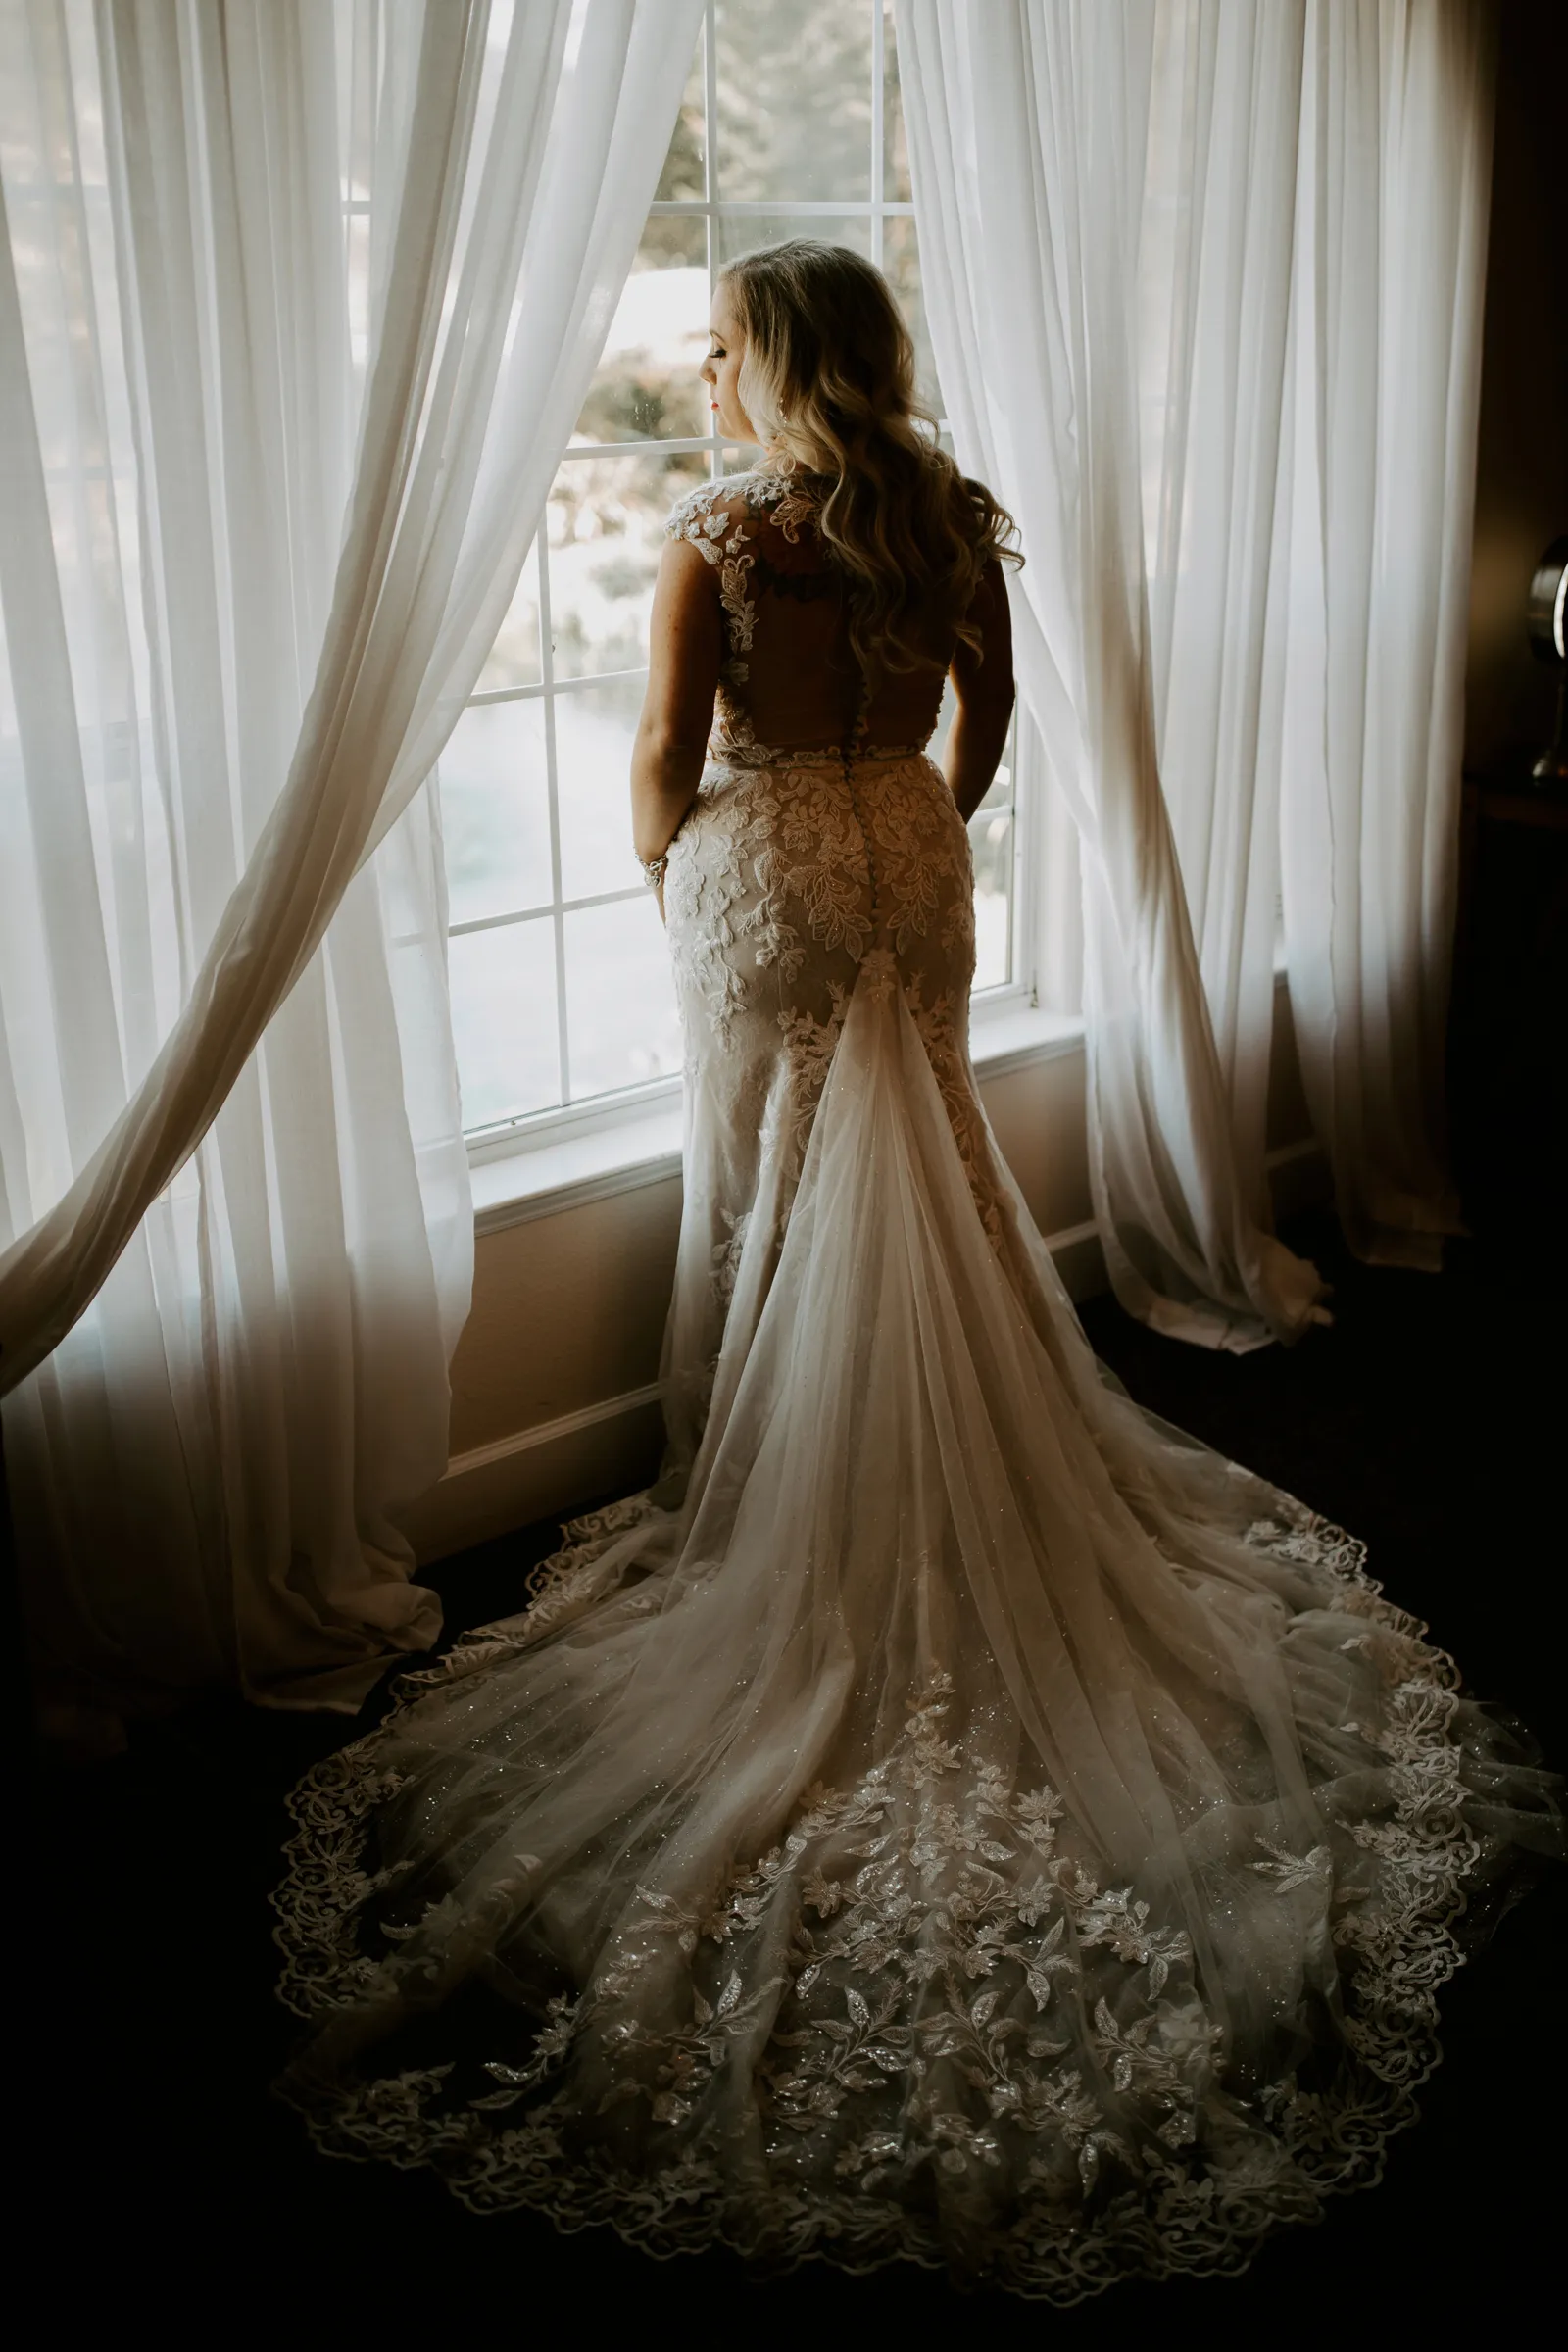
x=1168, y=2224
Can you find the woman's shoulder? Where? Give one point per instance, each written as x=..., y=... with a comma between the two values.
x=693, y=517
x=763, y=494
x=705, y=514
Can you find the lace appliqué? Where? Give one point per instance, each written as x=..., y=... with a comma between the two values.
x=701, y=894
x=919, y=1980
x=727, y=1254
x=563, y=1587
x=784, y=857
x=714, y=519
x=923, y=862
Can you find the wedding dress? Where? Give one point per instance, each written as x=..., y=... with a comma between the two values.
x=955, y=1815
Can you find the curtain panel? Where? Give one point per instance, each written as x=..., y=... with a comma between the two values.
x=1140, y=226
x=298, y=305
x=1397, y=125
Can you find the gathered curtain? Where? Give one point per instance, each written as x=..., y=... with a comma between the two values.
x=1139, y=227
x=298, y=305
x=1396, y=124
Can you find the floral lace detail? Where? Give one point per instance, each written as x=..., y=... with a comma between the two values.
x=957, y=1886
x=727, y=1254
x=922, y=1980
x=808, y=1049
x=921, y=848
x=561, y=1588
x=722, y=541
x=713, y=518
x=789, y=851
x=701, y=899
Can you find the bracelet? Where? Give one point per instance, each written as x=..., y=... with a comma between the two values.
x=654, y=868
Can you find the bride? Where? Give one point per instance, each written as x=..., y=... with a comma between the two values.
x=953, y=1815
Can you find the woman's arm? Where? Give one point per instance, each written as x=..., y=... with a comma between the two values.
x=686, y=644
x=983, y=684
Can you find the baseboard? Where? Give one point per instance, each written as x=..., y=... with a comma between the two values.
x=1080, y=1261
x=612, y=1446
x=547, y=1471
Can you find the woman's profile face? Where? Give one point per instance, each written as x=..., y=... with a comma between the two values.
x=719, y=371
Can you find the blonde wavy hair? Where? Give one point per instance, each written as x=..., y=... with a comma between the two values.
x=827, y=381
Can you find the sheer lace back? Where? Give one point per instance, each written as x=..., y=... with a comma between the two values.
x=790, y=685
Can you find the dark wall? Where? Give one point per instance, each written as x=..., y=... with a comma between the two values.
x=1522, y=455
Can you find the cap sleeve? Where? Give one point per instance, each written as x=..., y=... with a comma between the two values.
x=702, y=516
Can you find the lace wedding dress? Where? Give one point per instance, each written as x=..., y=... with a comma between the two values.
x=954, y=1816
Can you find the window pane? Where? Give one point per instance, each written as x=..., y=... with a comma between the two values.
x=594, y=730
x=945, y=717
x=646, y=387
x=895, y=151
x=991, y=841
x=1000, y=795
x=504, y=1021
x=495, y=817
x=744, y=232
x=607, y=520
x=357, y=258
x=682, y=176
x=514, y=656
x=901, y=259
x=621, y=997
x=794, y=100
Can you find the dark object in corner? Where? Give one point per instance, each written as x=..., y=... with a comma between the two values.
x=1544, y=618
x=1507, y=1072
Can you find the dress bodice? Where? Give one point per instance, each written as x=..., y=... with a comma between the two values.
x=789, y=684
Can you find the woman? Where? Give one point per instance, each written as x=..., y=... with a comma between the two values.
x=954, y=1816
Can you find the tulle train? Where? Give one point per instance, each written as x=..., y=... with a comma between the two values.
x=978, y=1825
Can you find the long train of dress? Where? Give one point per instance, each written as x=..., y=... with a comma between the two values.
x=955, y=1816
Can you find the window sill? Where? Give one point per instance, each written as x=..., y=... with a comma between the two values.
x=543, y=1180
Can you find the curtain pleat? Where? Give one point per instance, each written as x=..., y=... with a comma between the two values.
x=1203, y=280
x=305, y=300
x=1029, y=136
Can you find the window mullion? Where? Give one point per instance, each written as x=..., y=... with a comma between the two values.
x=711, y=102
x=878, y=183
x=695, y=445
x=715, y=456
x=540, y=915
x=547, y=676
x=536, y=692
x=1028, y=785
x=761, y=207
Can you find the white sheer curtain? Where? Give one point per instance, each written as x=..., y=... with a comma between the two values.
x=1396, y=193
x=1028, y=137
x=1129, y=308
x=300, y=302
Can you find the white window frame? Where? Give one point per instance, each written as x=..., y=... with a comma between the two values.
x=647, y=1110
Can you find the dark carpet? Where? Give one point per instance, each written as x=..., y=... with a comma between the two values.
x=169, y=2194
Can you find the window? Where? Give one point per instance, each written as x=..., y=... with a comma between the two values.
x=562, y=993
